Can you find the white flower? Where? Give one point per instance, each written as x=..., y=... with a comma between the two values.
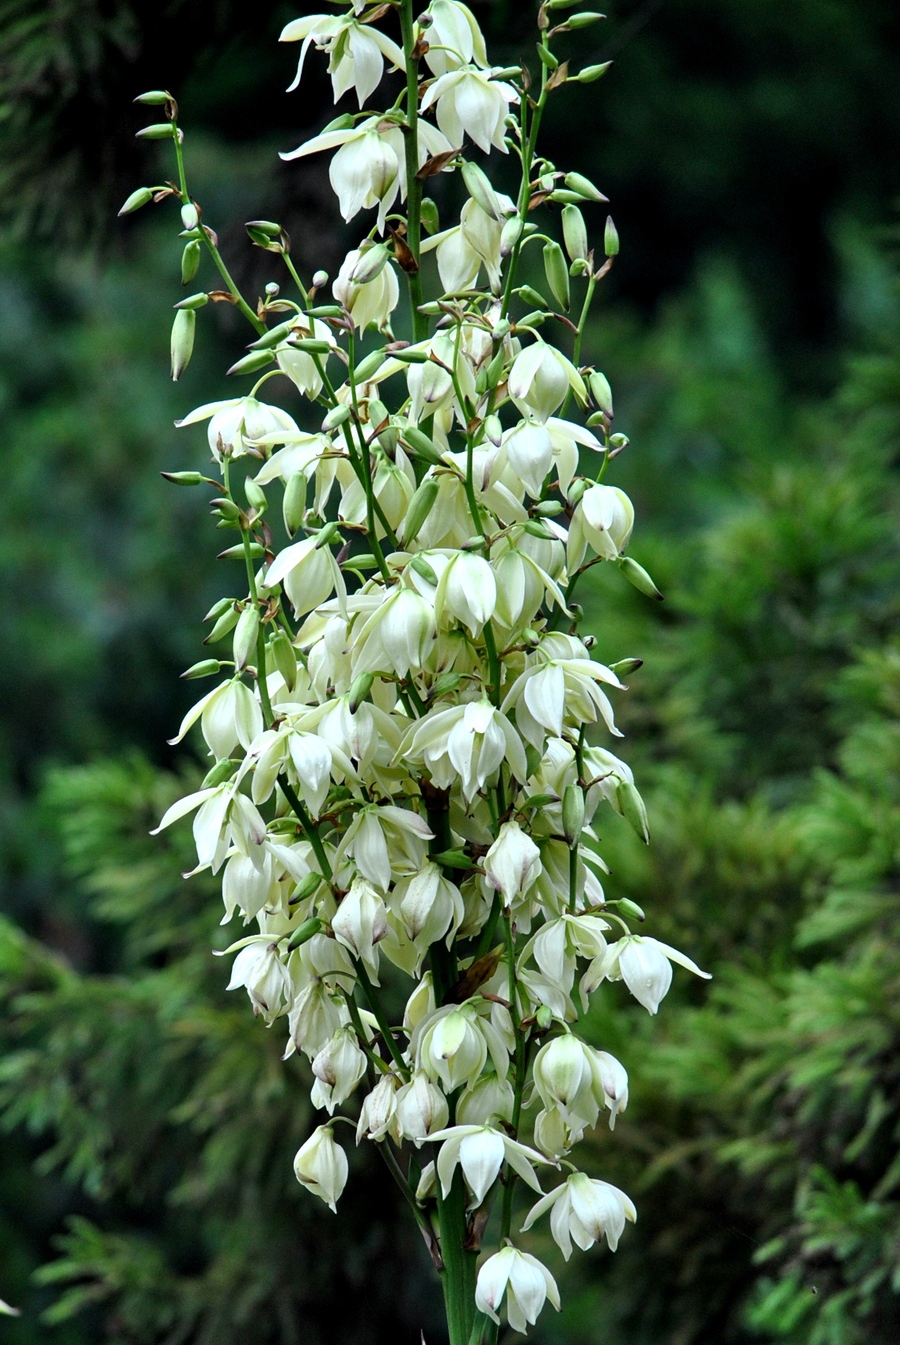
x=356, y=51
x=540, y=378
x=577, y=1080
x=310, y=575
x=492, y=1099
x=338, y=1068
x=421, y=1108
x=454, y=37
x=301, y=367
x=397, y=636
x=260, y=970
x=321, y=1166
x=229, y=714
x=237, y=424
x=480, y=1152
x=645, y=965
x=525, y=1282
x=469, y=103
x=430, y=908
x=513, y=863
x=360, y=923
x=467, y=741
x=379, y=1109
x=467, y=589
x=584, y=1211
x=314, y=1018
x=603, y=520
x=453, y=1043
x=370, y=303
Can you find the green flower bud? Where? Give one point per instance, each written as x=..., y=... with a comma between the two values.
x=479, y=188
x=222, y=771
x=284, y=658
x=371, y=264
x=370, y=365
x=420, y=506
x=591, y=72
x=510, y=234
x=190, y=216
x=598, y=385
x=584, y=187
x=224, y=626
x=207, y=667
x=143, y=196
x=575, y=233
x=181, y=344
x=240, y=552
x=446, y=683
x=325, y=536
x=312, y=345
x=305, y=889
x=630, y=908
x=573, y=813
x=531, y=296
x=154, y=98
x=183, y=478
x=245, y=633
x=544, y=1017
x=252, y=363
x=218, y=608
x=626, y=666
x=534, y=319
x=557, y=273
x=421, y=445
x=294, y=503
x=637, y=575
x=325, y=310
x=274, y=336
x=424, y=570
x=411, y=356
x=610, y=238
x=576, y=490
x=548, y=508
x=633, y=810
x=547, y=57
x=256, y=496
x=584, y=20
x=319, y=280
x=194, y=301
x=359, y=690
x=365, y=561
x=429, y=215
x=309, y=927
x=162, y=130
x=336, y=416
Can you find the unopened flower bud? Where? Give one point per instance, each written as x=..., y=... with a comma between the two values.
x=370, y=265
x=182, y=341
x=632, y=808
x=510, y=234
x=319, y=280
x=336, y=416
x=190, y=216
x=153, y=98
x=610, y=238
x=591, y=72
x=573, y=813
x=575, y=233
x=143, y=196
x=584, y=187
x=252, y=363
x=284, y=658
x=420, y=506
x=601, y=391
x=638, y=576
x=194, y=301
x=626, y=666
x=161, y=130
x=245, y=636
x=207, y=667
x=429, y=215
x=293, y=505
x=479, y=188
x=557, y=273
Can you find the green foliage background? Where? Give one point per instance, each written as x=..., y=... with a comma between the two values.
x=751, y=337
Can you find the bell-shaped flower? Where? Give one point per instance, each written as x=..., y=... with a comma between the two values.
x=356, y=51
x=525, y=1283
x=468, y=742
x=430, y=908
x=529, y=451
x=584, y=1210
x=370, y=303
x=540, y=379
x=386, y=841
x=552, y=1135
x=578, y=1080
x=553, y=692
x=321, y=1166
x=305, y=370
x=360, y=923
x=377, y=1116
x=338, y=1068
x=249, y=887
x=237, y=424
x=645, y=965
x=469, y=102
x=513, y=863
x=453, y=1044
x=480, y=1152
x=421, y=1108
x=224, y=817
x=259, y=968
x=454, y=38
x=397, y=637
x=309, y=573
x=228, y=715
x=315, y=1016
x=467, y=590
x=602, y=520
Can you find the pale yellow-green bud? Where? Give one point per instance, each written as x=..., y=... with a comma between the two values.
x=320, y=280
x=143, y=196
x=194, y=301
x=429, y=215
x=574, y=233
x=584, y=187
x=637, y=575
x=284, y=658
x=153, y=98
x=256, y=496
x=190, y=216
x=510, y=234
x=162, y=130
x=633, y=810
x=610, y=238
x=573, y=813
x=601, y=392
x=336, y=416
x=420, y=506
x=294, y=504
x=370, y=265
x=207, y=667
x=245, y=633
x=591, y=72
x=479, y=188
x=182, y=341
x=557, y=273
x=252, y=363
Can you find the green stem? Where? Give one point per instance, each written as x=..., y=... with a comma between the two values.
x=413, y=181
x=459, y=1263
x=383, y=1025
x=306, y=825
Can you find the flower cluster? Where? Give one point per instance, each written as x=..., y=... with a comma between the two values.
x=409, y=746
